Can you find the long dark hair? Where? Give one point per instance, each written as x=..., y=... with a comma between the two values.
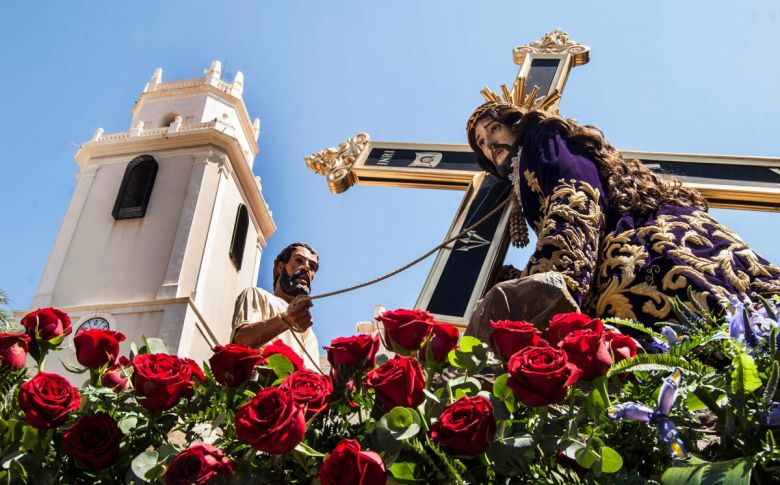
x=631, y=186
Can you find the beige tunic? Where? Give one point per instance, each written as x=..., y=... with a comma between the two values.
x=256, y=304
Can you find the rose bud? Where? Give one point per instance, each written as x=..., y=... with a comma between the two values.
x=114, y=378
x=271, y=422
x=466, y=426
x=47, y=400
x=541, y=375
x=444, y=338
x=352, y=353
x=622, y=346
x=96, y=348
x=310, y=390
x=399, y=382
x=509, y=338
x=93, y=441
x=405, y=330
x=198, y=464
x=50, y=323
x=161, y=379
x=281, y=348
x=589, y=351
x=13, y=350
x=347, y=464
x=563, y=324
x=232, y=364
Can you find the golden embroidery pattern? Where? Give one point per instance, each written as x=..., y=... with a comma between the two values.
x=698, y=251
x=568, y=235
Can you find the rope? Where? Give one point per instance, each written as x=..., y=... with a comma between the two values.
x=409, y=265
x=462, y=233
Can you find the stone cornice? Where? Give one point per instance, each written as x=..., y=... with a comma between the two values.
x=120, y=144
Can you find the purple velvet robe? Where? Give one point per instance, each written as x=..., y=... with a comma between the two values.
x=629, y=264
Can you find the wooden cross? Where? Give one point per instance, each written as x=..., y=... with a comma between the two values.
x=463, y=272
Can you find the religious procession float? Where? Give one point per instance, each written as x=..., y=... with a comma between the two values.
x=581, y=402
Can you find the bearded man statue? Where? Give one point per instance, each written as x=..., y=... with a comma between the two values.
x=613, y=238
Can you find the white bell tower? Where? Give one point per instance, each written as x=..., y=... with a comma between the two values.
x=167, y=222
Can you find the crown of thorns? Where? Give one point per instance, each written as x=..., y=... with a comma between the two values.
x=516, y=97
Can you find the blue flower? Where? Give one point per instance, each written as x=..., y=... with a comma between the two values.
x=658, y=417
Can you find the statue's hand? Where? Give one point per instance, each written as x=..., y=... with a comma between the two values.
x=298, y=313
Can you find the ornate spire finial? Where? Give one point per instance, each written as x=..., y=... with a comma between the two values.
x=336, y=163
x=555, y=42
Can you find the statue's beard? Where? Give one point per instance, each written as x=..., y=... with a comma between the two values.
x=291, y=285
x=505, y=167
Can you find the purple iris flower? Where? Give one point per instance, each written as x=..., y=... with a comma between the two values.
x=736, y=319
x=658, y=417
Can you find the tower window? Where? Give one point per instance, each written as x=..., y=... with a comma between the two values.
x=136, y=188
x=239, y=236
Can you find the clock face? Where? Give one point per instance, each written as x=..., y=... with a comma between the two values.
x=92, y=323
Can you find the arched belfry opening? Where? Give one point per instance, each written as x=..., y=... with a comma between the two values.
x=238, y=242
x=136, y=188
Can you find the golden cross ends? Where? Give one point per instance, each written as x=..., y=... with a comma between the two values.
x=544, y=68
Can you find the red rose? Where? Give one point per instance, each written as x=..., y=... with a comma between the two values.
x=271, y=422
x=563, y=324
x=162, y=379
x=198, y=464
x=622, y=346
x=541, y=375
x=399, y=382
x=13, y=350
x=197, y=372
x=93, y=441
x=405, y=330
x=589, y=351
x=443, y=339
x=358, y=351
x=281, y=348
x=509, y=338
x=347, y=464
x=115, y=377
x=466, y=426
x=47, y=400
x=310, y=390
x=49, y=322
x=232, y=364
x=96, y=348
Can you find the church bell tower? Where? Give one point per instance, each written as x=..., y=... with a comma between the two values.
x=167, y=222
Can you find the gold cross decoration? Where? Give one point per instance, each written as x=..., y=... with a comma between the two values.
x=463, y=273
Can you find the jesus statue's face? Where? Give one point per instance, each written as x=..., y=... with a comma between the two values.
x=496, y=141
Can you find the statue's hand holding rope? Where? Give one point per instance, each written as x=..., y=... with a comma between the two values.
x=298, y=314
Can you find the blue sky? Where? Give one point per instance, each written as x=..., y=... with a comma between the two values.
x=690, y=77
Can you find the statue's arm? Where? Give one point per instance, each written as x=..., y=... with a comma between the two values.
x=571, y=216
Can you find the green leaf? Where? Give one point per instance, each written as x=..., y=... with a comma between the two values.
x=281, y=365
x=30, y=438
x=402, y=422
x=598, y=400
x=143, y=463
x=128, y=424
x=467, y=344
x=619, y=322
x=6, y=461
x=308, y=450
x=156, y=346
x=464, y=386
x=744, y=377
x=656, y=362
x=75, y=368
x=771, y=383
x=611, y=461
x=503, y=392
x=403, y=470
x=732, y=472
x=586, y=457
x=511, y=456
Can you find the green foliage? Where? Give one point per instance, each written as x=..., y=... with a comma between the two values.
x=732, y=472
x=656, y=362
